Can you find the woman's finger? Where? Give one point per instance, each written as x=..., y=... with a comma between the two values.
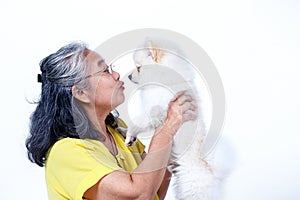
x=185, y=98
x=178, y=94
x=188, y=117
x=188, y=106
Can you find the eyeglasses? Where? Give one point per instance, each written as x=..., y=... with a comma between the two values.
x=107, y=69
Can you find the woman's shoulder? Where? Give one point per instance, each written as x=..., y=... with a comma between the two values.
x=71, y=151
x=70, y=145
x=66, y=142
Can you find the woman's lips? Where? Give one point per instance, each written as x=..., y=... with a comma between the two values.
x=122, y=85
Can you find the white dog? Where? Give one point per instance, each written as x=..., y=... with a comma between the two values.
x=195, y=177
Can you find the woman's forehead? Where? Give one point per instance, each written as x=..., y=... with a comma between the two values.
x=94, y=58
x=89, y=54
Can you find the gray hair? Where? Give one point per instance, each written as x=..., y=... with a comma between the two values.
x=58, y=113
x=67, y=66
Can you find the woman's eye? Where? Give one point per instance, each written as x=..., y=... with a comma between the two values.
x=106, y=70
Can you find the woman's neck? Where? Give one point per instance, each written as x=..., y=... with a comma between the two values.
x=97, y=119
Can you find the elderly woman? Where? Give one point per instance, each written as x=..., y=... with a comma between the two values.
x=75, y=136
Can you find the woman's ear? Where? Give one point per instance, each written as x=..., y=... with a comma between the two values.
x=80, y=95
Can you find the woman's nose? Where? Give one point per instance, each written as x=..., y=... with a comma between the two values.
x=116, y=75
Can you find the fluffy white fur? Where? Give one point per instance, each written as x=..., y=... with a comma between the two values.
x=194, y=177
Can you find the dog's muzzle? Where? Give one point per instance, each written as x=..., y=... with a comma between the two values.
x=130, y=78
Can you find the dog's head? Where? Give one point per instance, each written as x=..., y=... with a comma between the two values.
x=149, y=53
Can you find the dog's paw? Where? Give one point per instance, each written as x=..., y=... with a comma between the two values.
x=157, y=116
x=130, y=140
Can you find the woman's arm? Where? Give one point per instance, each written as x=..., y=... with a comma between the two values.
x=164, y=185
x=145, y=181
x=147, y=178
x=162, y=191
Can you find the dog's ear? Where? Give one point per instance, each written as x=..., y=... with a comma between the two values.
x=149, y=47
x=154, y=50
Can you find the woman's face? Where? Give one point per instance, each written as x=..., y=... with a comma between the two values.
x=106, y=90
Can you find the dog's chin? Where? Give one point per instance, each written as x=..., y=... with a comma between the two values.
x=135, y=82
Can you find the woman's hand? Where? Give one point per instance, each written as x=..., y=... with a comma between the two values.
x=181, y=109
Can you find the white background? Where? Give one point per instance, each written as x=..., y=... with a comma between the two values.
x=254, y=44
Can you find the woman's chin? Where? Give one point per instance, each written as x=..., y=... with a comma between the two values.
x=118, y=101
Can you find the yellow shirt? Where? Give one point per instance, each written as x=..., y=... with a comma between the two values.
x=75, y=165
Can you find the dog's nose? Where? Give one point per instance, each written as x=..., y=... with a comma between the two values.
x=130, y=76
